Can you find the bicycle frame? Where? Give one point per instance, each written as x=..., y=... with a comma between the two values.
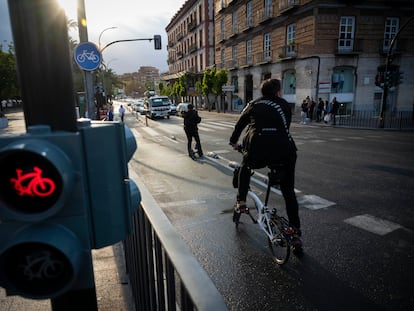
x=263, y=217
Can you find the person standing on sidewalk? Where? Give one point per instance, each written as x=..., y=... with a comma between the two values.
x=121, y=113
x=335, y=109
x=191, y=119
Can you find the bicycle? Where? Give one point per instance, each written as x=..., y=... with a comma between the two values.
x=276, y=227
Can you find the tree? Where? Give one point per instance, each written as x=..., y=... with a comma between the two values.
x=9, y=87
x=212, y=84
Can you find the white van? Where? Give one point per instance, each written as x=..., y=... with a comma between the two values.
x=157, y=107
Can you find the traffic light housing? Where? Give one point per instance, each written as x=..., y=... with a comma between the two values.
x=45, y=245
x=114, y=198
x=157, y=42
x=61, y=195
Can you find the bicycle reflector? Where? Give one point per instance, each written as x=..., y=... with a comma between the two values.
x=35, y=179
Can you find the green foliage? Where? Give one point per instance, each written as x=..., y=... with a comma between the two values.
x=213, y=81
x=9, y=87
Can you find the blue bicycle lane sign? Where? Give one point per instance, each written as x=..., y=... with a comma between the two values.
x=87, y=56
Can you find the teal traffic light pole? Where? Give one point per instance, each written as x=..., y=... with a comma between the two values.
x=42, y=53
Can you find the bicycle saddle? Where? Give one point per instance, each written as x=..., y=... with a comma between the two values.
x=275, y=174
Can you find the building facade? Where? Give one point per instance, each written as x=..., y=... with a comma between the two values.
x=317, y=48
x=320, y=49
x=190, y=36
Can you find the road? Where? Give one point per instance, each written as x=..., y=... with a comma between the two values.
x=355, y=189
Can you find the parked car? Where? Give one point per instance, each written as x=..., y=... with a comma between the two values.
x=138, y=106
x=173, y=110
x=181, y=108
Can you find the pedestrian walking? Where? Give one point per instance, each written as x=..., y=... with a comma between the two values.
x=191, y=120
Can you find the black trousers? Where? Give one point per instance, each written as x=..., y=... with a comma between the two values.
x=190, y=133
x=287, y=186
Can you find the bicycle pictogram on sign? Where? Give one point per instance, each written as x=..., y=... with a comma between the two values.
x=32, y=183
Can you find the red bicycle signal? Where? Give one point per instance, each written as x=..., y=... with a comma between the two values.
x=32, y=183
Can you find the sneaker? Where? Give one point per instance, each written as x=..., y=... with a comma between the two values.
x=297, y=245
x=241, y=209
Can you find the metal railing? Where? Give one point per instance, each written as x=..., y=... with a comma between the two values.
x=367, y=119
x=163, y=273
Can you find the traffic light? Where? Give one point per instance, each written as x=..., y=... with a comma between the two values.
x=389, y=80
x=61, y=195
x=113, y=196
x=157, y=42
x=379, y=79
x=45, y=245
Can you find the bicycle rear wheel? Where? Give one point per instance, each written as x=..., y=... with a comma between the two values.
x=280, y=245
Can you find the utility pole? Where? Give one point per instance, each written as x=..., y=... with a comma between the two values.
x=88, y=79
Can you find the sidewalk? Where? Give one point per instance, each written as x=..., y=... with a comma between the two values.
x=111, y=281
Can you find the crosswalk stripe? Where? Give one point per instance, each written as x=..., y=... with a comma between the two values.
x=373, y=224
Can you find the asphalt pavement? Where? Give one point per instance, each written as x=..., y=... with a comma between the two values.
x=112, y=288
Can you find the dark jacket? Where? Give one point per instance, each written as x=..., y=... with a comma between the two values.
x=191, y=119
x=267, y=140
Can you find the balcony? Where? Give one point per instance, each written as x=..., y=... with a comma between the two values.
x=398, y=48
x=265, y=15
x=287, y=5
x=246, y=61
x=287, y=51
x=264, y=57
x=232, y=64
x=191, y=26
x=180, y=35
x=249, y=24
x=233, y=31
x=348, y=46
x=192, y=48
x=180, y=55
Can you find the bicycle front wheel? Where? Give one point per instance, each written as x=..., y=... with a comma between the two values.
x=279, y=245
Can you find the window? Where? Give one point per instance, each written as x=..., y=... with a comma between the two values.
x=223, y=58
x=266, y=47
x=234, y=55
x=268, y=8
x=342, y=80
x=249, y=14
x=222, y=29
x=290, y=39
x=235, y=22
x=391, y=28
x=346, y=33
x=289, y=82
x=249, y=52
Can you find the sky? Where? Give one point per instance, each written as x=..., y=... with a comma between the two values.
x=133, y=19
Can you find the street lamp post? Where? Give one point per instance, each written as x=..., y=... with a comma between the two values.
x=100, y=35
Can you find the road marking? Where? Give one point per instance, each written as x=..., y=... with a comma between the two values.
x=182, y=203
x=373, y=224
x=149, y=131
x=314, y=202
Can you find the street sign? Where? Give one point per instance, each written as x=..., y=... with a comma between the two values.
x=227, y=88
x=87, y=56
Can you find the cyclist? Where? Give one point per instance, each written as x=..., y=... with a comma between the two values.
x=268, y=141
